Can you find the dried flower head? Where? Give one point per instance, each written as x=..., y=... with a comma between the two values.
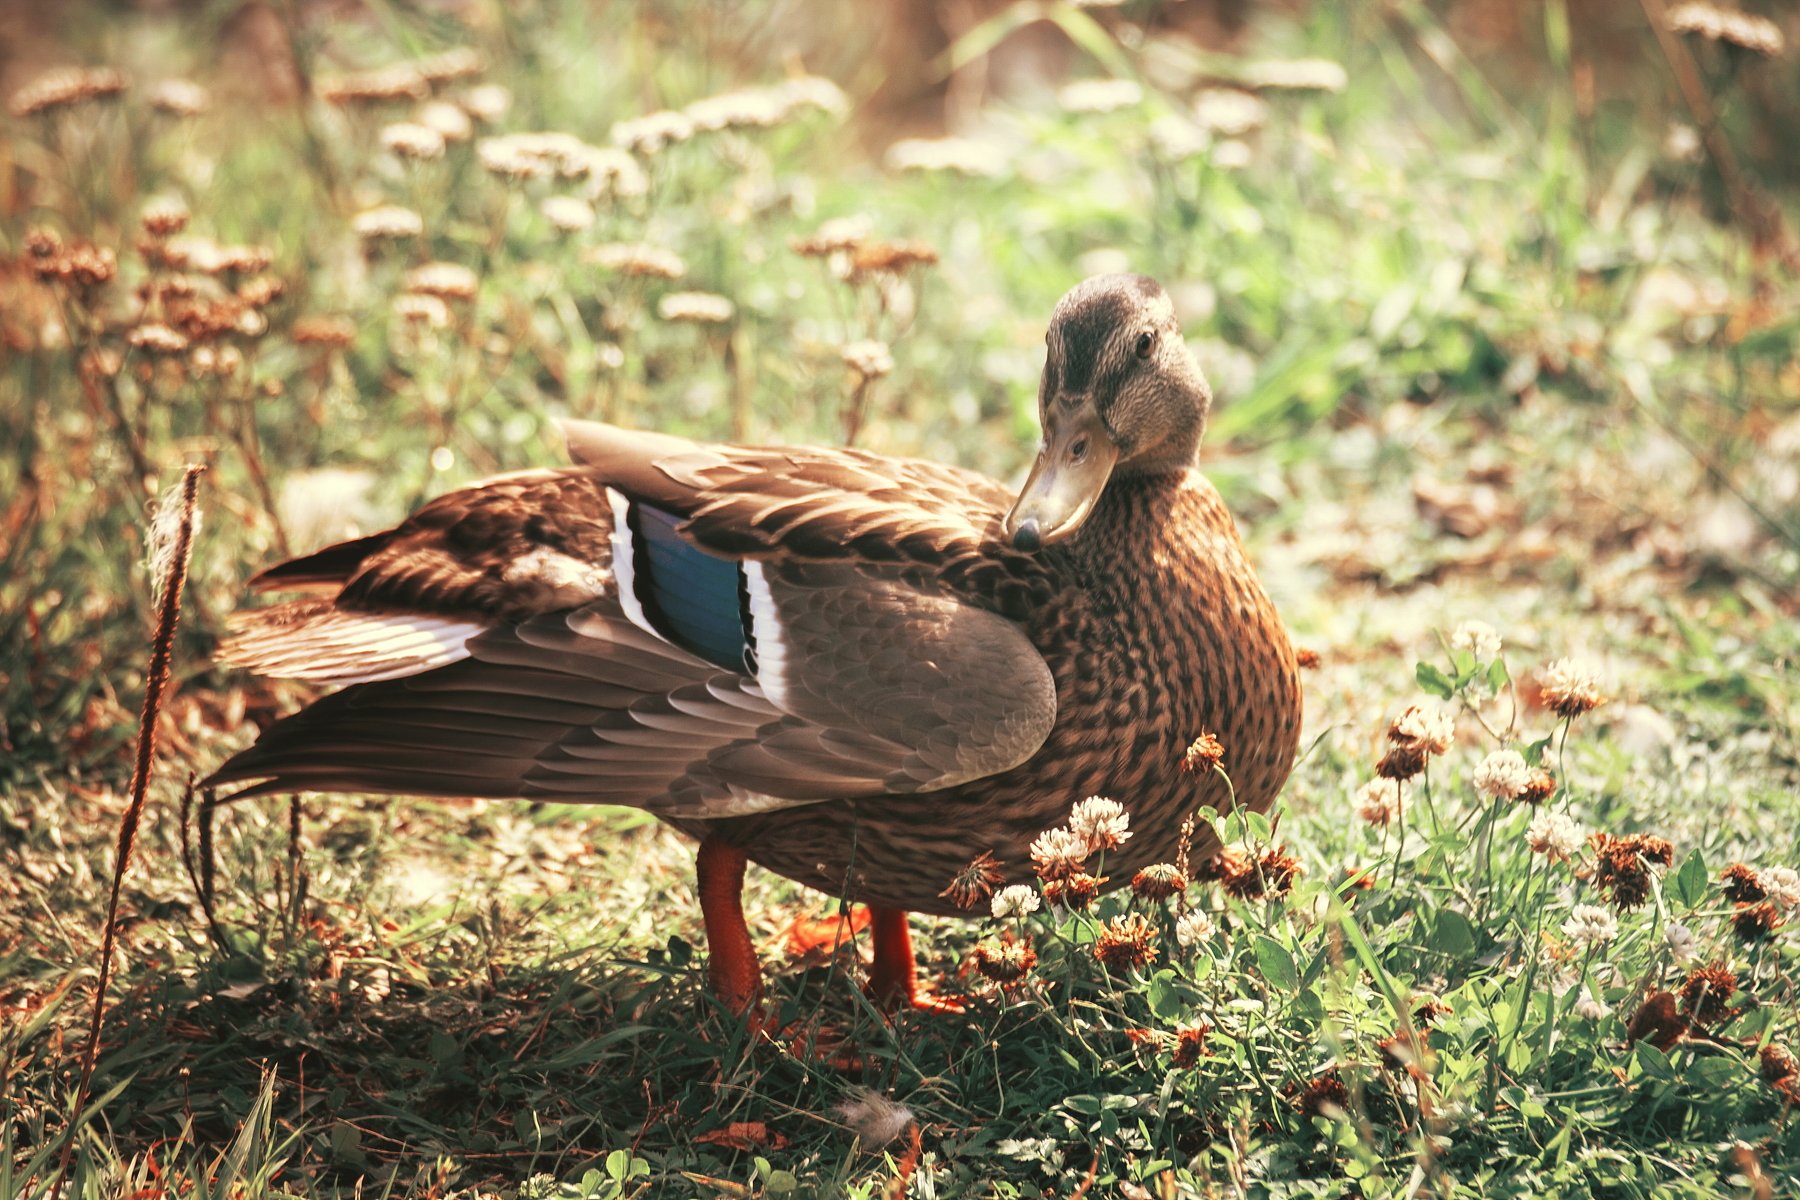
x=1100, y=822
x=1158, y=881
x=1706, y=994
x=1401, y=762
x=1782, y=886
x=381, y=85
x=1058, y=854
x=331, y=332
x=961, y=155
x=1427, y=1008
x=638, y=260
x=1569, y=688
x=1657, y=1021
x=1005, y=962
x=1297, y=75
x=1015, y=902
x=157, y=338
x=1432, y=729
x=1590, y=925
x=1400, y=1053
x=1099, y=95
x=407, y=139
x=696, y=308
x=445, y=280
x=1324, y=1096
x=428, y=311
x=1554, y=835
x=648, y=134
x=1270, y=875
x=1194, y=927
x=1734, y=27
x=569, y=214
x=1074, y=892
x=165, y=217
x=447, y=120
x=261, y=291
x=1379, y=801
x=179, y=98
x=449, y=66
x=840, y=235
x=1190, y=1045
x=66, y=87
x=975, y=882
x=1306, y=659
x=1622, y=865
x=1502, y=775
x=387, y=222
x=1540, y=785
x=1125, y=941
x=1479, y=638
x=1755, y=922
x=1776, y=1062
x=1741, y=884
x=1202, y=755
x=869, y=359
x=874, y=258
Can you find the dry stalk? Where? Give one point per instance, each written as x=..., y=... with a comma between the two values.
x=156, y=682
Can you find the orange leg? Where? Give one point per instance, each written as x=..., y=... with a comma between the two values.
x=736, y=975
x=893, y=978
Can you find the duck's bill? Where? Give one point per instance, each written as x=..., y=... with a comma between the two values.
x=1071, y=471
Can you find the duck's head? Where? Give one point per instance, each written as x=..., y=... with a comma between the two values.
x=1121, y=395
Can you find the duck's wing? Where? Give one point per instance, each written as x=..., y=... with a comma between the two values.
x=696, y=630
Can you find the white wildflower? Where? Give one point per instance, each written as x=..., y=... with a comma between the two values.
x=1431, y=728
x=648, y=134
x=416, y=309
x=1099, y=95
x=388, y=221
x=1750, y=31
x=615, y=173
x=870, y=359
x=1684, y=947
x=1590, y=925
x=637, y=259
x=1101, y=822
x=1014, y=902
x=1058, y=853
x=1502, y=775
x=1177, y=138
x=408, y=139
x=569, y=214
x=1229, y=112
x=1588, y=1008
x=695, y=308
x=487, y=103
x=447, y=120
x=961, y=155
x=1782, y=886
x=1300, y=75
x=1378, y=802
x=1569, y=688
x=1195, y=926
x=1554, y=836
x=1479, y=638
x=445, y=280
x=179, y=98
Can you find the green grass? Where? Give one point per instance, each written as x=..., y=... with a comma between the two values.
x=1475, y=359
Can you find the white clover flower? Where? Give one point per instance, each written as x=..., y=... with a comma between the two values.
x=1479, y=639
x=388, y=221
x=450, y=122
x=1554, y=836
x=1569, y=688
x=1588, y=1008
x=1782, y=886
x=1101, y=822
x=1058, y=853
x=408, y=139
x=1432, y=728
x=1378, y=802
x=568, y=213
x=870, y=359
x=1502, y=775
x=1099, y=95
x=1684, y=947
x=1590, y=925
x=1016, y=901
x=1195, y=926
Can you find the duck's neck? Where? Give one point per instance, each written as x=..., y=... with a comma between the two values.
x=1146, y=515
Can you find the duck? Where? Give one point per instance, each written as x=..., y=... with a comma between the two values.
x=880, y=677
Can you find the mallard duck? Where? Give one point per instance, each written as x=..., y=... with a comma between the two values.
x=868, y=674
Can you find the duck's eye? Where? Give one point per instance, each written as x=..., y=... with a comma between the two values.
x=1078, y=451
x=1144, y=342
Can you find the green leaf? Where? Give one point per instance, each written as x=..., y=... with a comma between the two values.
x=1276, y=964
x=1534, y=753
x=1452, y=934
x=1497, y=675
x=1166, y=994
x=1690, y=880
x=1654, y=1062
x=1434, y=680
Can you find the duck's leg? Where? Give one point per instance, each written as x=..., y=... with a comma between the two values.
x=732, y=967
x=893, y=977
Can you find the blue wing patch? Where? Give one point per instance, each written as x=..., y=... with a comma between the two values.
x=694, y=598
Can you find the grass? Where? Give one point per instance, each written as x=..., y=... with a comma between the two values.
x=1476, y=359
